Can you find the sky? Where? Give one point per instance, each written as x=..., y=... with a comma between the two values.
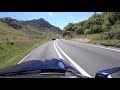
x=59, y=19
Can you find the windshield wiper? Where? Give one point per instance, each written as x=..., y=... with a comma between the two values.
x=67, y=70
x=61, y=71
x=33, y=72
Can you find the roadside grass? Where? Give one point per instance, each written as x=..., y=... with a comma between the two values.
x=11, y=54
x=113, y=42
x=90, y=36
x=96, y=39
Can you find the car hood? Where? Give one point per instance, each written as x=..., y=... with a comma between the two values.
x=38, y=65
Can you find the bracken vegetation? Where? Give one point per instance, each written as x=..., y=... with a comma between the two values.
x=101, y=28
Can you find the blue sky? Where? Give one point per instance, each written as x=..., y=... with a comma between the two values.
x=59, y=19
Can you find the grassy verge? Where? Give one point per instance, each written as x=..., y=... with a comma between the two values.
x=73, y=37
x=11, y=54
x=96, y=39
x=114, y=43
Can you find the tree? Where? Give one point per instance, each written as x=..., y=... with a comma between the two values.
x=106, y=22
x=115, y=17
x=79, y=30
x=87, y=31
x=68, y=29
x=87, y=24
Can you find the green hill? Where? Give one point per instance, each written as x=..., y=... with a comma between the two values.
x=101, y=28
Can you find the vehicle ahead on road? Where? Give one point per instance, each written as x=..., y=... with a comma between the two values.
x=53, y=39
x=48, y=69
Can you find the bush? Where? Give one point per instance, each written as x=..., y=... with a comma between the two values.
x=79, y=31
x=71, y=36
x=87, y=31
x=114, y=33
x=12, y=43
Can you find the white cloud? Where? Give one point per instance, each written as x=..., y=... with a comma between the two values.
x=50, y=13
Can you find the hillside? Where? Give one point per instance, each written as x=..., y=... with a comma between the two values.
x=18, y=38
x=101, y=28
x=36, y=24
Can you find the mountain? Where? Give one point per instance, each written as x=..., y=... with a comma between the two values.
x=11, y=22
x=36, y=24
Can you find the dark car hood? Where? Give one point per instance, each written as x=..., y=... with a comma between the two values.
x=37, y=65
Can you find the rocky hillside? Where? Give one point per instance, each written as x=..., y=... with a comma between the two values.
x=36, y=24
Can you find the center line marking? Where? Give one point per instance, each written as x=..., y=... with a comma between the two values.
x=77, y=66
x=58, y=52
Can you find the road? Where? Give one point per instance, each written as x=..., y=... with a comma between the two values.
x=88, y=59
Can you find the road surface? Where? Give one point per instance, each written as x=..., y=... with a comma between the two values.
x=88, y=59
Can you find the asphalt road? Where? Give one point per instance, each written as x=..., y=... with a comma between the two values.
x=88, y=59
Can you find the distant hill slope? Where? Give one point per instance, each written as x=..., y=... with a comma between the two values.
x=11, y=28
x=36, y=24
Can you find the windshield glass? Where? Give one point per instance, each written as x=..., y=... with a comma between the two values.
x=82, y=42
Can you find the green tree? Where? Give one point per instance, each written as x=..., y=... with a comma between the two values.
x=87, y=31
x=79, y=30
x=106, y=22
x=68, y=29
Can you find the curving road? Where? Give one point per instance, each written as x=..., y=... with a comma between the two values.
x=87, y=58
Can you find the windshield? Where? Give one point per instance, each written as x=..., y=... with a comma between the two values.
x=82, y=42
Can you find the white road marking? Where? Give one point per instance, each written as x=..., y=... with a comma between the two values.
x=58, y=52
x=27, y=56
x=109, y=76
x=77, y=66
x=101, y=47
